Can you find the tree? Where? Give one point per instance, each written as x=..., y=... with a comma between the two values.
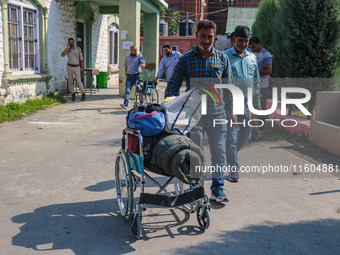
x=263, y=26
x=306, y=42
x=174, y=23
x=162, y=14
x=141, y=30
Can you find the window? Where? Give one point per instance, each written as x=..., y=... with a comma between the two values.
x=23, y=38
x=114, y=46
x=173, y=47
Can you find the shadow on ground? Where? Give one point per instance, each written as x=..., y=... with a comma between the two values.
x=300, y=146
x=84, y=227
x=95, y=227
x=306, y=237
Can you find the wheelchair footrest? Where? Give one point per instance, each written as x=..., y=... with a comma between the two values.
x=167, y=201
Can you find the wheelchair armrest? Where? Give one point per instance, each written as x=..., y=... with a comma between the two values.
x=131, y=131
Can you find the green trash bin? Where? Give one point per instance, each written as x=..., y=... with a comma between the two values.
x=102, y=79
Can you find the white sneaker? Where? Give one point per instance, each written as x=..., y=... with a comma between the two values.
x=123, y=106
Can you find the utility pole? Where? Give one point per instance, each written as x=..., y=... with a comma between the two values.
x=187, y=25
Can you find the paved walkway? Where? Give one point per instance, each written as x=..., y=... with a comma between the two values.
x=57, y=195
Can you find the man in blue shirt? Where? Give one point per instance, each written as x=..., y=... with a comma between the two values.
x=246, y=75
x=204, y=61
x=133, y=64
x=232, y=42
x=168, y=62
x=265, y=63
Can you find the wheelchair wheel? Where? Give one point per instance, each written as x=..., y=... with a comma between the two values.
x=141, y=99
x=203, y=217
x=153, y=96
x=136, y=225
x=124, y=187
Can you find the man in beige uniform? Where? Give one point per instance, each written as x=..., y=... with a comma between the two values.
x=75, y=65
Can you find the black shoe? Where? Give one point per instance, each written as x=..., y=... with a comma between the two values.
x=74, y=97
x=83, y=97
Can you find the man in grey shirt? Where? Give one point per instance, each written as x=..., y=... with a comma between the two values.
x=265, y=63
x=133, y=63
x=75, y=65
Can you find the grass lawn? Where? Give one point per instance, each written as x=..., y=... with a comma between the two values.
x=14, y=111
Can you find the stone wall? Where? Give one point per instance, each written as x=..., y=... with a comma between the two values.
x=21, y=92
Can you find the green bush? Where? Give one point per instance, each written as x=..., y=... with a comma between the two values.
x=264, y=24
x=306, y=42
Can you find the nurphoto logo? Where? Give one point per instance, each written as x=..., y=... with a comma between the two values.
x=239, y=99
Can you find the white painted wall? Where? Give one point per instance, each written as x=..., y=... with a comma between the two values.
x=2, y=60
x=222, y=42
x=100, y=41
x=61, y=26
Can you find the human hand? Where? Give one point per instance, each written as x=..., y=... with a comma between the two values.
x=233, y=119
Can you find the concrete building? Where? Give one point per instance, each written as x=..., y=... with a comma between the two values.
x=223, y=12
x=183, y=44
x=218, y=12
x=244, y=3
x=240, y=16
x=33, y=33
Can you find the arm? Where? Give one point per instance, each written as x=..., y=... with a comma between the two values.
x=142, y=61
x=267, y=70
x=125, y=64
x=227, y=95
x=268, y=65
x=81, y=60
x=177, y=77
x=160, y=69
x=256, y=90
x=63, y=54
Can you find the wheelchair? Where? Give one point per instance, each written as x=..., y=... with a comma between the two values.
x=145, y=92
x=130, y=172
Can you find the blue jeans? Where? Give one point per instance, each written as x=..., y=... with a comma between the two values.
x=217, y=139
x=130, y=81
x=236, y=140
